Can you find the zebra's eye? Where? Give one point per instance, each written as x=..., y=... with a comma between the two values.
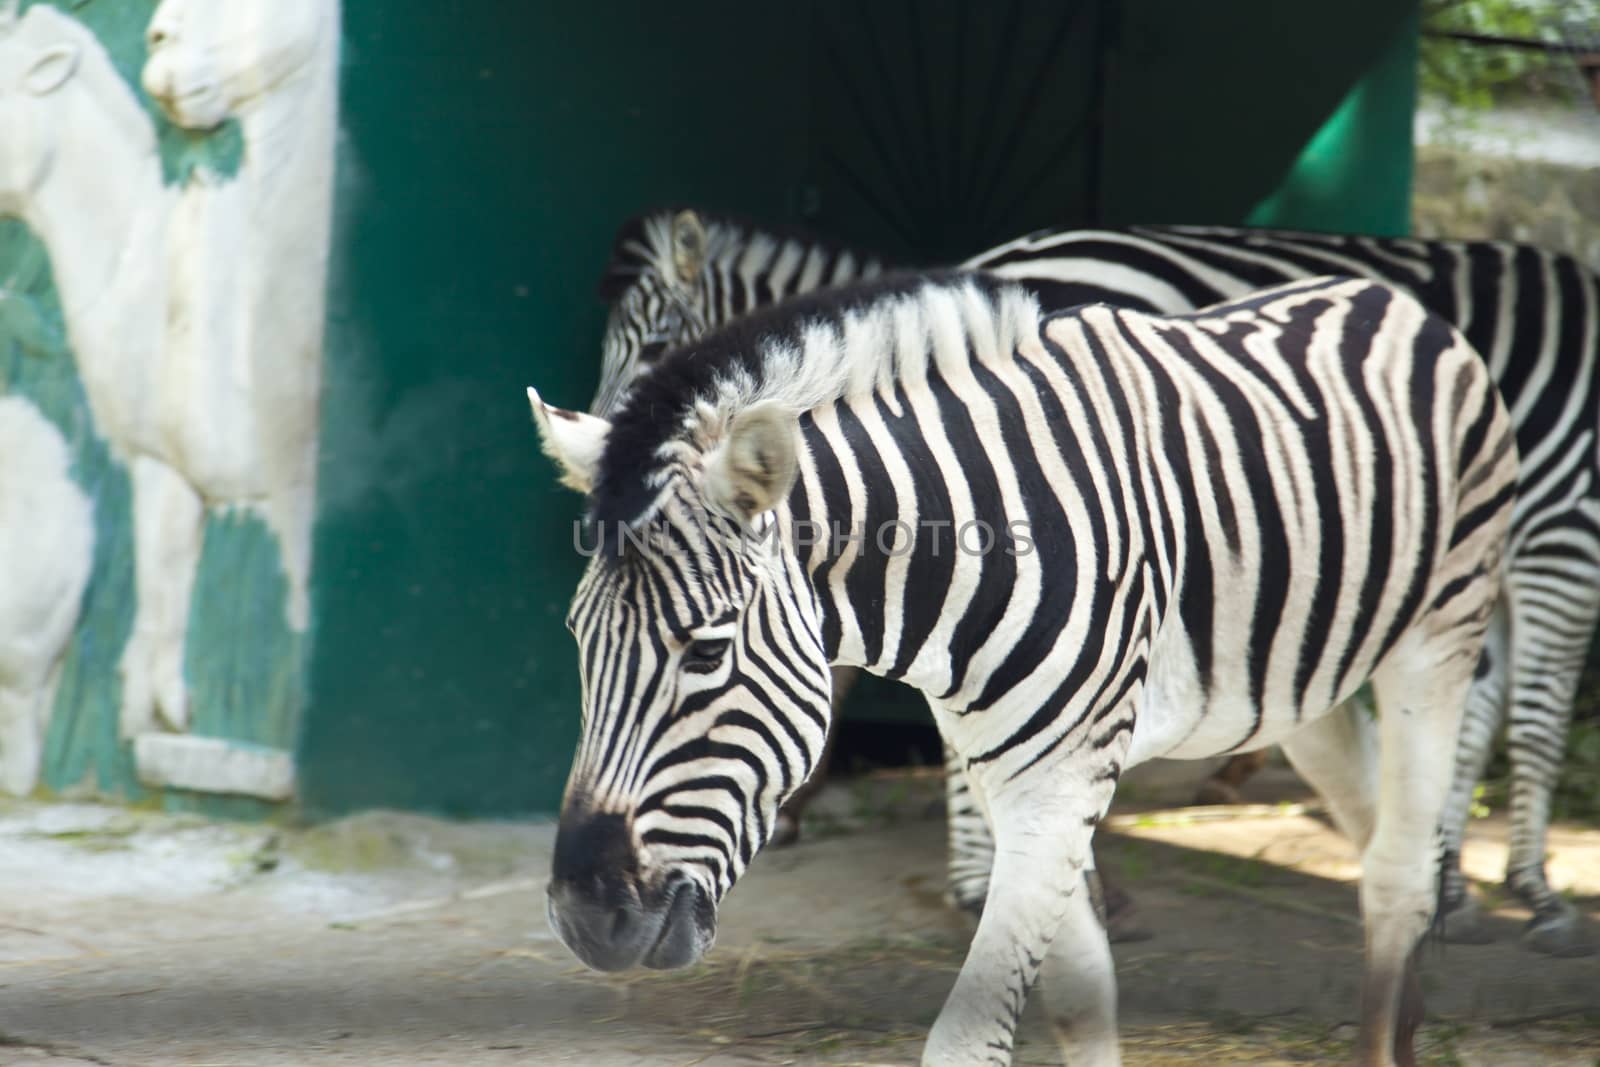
x=651, y=351
x=705, y=655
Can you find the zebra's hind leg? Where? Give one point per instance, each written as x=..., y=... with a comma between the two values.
x=1222, y=787
x=1422, y=692
x=1550, y=636
x=1461, y=920
x=1338, y=755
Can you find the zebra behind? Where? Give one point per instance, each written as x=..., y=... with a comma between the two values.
x=1231, y=521
x=1535, y=317
x=674, y=275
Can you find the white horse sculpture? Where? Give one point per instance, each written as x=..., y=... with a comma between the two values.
x=256, y=246
x=46, y=550
x=190, y=317
x=80, y=167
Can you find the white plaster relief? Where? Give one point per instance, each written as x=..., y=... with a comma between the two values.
x=46, y=551
x=246, y=319
x=195, y=314
x=212, y=765
x=79, y=165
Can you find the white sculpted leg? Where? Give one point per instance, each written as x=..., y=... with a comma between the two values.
x=168, y=523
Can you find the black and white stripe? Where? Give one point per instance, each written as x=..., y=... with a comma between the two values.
x=673, y=275
x=1534, y=315
x=1205, y=532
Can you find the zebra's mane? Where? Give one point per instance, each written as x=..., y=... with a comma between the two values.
x=805, y=352
x=644, y=244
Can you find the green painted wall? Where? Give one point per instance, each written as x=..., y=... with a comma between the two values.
x=1354, y=174
x=489, y=152
x=1211, y=109
x=985, y=121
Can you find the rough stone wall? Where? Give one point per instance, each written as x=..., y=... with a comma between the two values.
x=1466, y=194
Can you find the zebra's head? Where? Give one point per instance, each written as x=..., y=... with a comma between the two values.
x=705, y=685
x=656, y=285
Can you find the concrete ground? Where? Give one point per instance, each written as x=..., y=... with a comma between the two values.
x=138, y=940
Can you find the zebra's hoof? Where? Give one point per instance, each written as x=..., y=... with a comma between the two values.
x=1465, y=924
x=785, y=831
x=1216, y=791
x=1558, y=933
x=1123, y=926
x=972, y=906
x=1115, y=910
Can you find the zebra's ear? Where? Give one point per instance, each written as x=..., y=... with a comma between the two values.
x=753, y=468
x=571, y=438
x=688, y=247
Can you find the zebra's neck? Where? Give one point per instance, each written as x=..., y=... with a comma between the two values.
x=805, y=353
x=903, y=520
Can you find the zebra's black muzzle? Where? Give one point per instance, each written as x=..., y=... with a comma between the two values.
x=609, y=916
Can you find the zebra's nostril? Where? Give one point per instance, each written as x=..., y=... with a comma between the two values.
x=593, y=850
x=619, y=924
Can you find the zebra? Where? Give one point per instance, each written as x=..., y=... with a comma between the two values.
x=1326, y=469
x=675, y=274
x=672, y=276
x=1533, y=314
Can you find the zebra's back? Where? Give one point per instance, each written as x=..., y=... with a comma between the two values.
x=1532, y=314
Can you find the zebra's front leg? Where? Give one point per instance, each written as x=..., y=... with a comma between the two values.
x=1037, y=908
x=970, y=858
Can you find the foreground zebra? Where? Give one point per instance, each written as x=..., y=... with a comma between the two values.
x=1534, y=315
x=1205, y=532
